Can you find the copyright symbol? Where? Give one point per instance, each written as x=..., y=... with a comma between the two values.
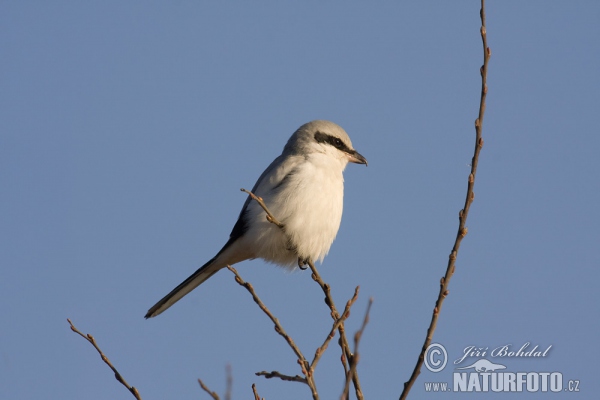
x=435, y=357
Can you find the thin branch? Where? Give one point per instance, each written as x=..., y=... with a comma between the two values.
x=228, y=382
x=270, y=217
x=255, y=392
x=118, y=376
x=278, y=328
x=304, y=365
x=212, y=394
x=354, y=361
x=228, y=385
x=462, y=229
x=346, y=352
x=276, y=374
x=336, y=324
x=343, y=342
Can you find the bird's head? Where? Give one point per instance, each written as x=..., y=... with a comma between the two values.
x=324, y=137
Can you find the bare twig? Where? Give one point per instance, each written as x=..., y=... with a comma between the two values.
x=355, y=358
x=276, y=374
x=118, y=376
x=260, y=201
x=347, y=355
x=462, y=229
x=228, y=385
x=346, y=352
x=304, y=365
x=334, y=328
x=255, y=392
x=212, y=394
x=278, y=328
x=228, y=382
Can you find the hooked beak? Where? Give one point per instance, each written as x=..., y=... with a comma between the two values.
x=355, y=157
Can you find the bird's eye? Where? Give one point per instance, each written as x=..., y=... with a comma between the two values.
x=337, y=142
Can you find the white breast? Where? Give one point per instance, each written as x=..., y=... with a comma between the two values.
x=309, y=202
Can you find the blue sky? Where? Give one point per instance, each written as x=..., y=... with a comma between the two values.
x=129, y=127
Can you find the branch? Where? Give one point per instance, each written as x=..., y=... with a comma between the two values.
x=118, y=376
x=346, y=352
x=462, y=229
x=355, y=358
x=228, y=382
x=279, y=329
x=228, y=385
x=212, y=394
x=336, y=325
x=270, y=217
x=276, y=374
x=347, y=355
x=255, y=392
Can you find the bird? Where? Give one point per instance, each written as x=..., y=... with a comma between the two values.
x=304, y=189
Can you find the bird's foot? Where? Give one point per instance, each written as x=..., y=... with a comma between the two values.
x=302, y=263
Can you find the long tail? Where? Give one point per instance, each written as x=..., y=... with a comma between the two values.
x=202, y=274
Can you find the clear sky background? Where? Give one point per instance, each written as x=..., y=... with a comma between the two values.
x=127, y=129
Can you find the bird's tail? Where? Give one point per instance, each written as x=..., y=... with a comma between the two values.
x=202, y=274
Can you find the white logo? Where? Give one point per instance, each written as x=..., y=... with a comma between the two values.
x=484, y=365
x=436, y=357
x=488, y=376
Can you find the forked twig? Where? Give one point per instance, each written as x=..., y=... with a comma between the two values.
x=118, y=376
x=270, y=217
x=343, y=342
x=335, y=315
x=304, y=365
x=255, y=392
x=278, y=328
x=228, y=385
x=334, y=328
x=462, y=229
x=355, y=358
x=212, y=394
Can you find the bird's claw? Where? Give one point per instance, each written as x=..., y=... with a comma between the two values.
x=302, y=264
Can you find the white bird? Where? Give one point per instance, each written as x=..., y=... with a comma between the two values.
x=304, y=189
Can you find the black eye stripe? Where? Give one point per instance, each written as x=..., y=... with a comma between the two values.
x=332, y=140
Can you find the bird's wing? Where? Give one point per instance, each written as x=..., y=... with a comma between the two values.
x=231, y=253
x=271, y=178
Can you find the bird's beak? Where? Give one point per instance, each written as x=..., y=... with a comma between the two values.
x=355, y=157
